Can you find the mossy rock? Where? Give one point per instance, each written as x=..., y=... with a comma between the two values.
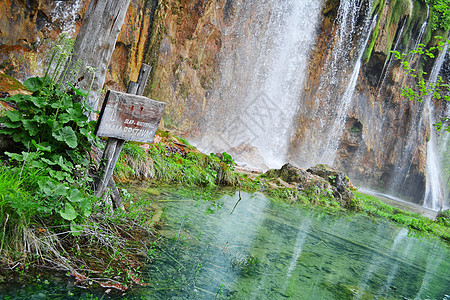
x=12, y=86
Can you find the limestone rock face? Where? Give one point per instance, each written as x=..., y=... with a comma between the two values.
x=186, y=40
x=383, y=143
x=27, y=29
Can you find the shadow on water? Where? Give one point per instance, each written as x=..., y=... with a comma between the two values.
x=264, y=249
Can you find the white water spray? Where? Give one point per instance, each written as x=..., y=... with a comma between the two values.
x=332, y=142
x=263, y=70
x=434, y=193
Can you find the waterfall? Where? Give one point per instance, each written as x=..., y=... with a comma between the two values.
x=262, y=72
x=434, y=193
x=65, y=12
x=422, y=29
x=388, y=63
x=332, y=144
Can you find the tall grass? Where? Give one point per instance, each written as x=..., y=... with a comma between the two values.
x=193, y=168
x=16, y=208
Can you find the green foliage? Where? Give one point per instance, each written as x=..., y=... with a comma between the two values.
x=440, y=14
x=193, y=168
x=226, y=158
x=422, y=88
x=53, y=137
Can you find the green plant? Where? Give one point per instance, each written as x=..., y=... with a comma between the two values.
x=422, y=88
x=440, y=14
x=53, y=135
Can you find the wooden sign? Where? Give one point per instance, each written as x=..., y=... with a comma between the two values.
x=129, y=117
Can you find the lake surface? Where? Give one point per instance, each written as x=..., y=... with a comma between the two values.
x=258, y=248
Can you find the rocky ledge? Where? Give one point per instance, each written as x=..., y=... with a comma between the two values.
x=319, y=182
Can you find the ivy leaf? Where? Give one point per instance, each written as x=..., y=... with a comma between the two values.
x=67, y=135
x=68, y=213
x=34, y=84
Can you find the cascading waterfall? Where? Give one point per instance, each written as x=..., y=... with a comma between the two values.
x=325, y=103
x=337, y=128
x=443, y=141
x=388, y=64
x=65, y=12
x=434, y=194
x=263, y=69
x=422, y=29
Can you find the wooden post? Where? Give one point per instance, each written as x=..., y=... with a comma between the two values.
x=95, y=44
x=114, y=146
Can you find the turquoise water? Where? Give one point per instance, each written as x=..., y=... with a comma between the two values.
x=268, y=250
x=264, y=249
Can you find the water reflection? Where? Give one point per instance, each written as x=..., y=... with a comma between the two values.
x=269, y=250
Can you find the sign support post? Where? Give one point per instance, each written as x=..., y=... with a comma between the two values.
x=125, y=117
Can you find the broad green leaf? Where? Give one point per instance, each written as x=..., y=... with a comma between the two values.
x=61, y=190
x=67, y=135
x=66, y=101
x=12, y=125
x=78, y=92
x=46, y=187
x=15, y=156
x=42, y=146
x=63, y=163
x=30, y=126
x=48, y=161
x=14, y=115
x=58, y=175
x=75, y=195
x=38, y=164
x=64, y=118
x=86, y=207
x=38, y=101
x=56, y=104
x=68, y=213
x=34, y=84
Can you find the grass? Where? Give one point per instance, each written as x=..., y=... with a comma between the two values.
x=374, y=207
x=173, y=162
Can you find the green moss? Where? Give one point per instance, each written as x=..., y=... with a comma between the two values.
x=374, y=207
x=401, y=8
x=373, y=40
x=157, y=34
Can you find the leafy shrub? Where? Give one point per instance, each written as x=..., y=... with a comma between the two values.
x=54, y=136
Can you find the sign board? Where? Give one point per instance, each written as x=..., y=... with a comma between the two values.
x=129, y=117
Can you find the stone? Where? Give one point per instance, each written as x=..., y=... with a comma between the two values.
x=248, y=153
x=320, y=180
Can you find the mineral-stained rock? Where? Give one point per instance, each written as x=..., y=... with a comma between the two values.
x=318, y=181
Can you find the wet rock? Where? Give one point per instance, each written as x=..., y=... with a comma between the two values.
x=317, y=181
x=248, y=153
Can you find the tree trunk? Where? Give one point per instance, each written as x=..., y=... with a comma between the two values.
x=95, y=44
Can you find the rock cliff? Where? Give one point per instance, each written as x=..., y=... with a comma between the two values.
x=378, y=137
